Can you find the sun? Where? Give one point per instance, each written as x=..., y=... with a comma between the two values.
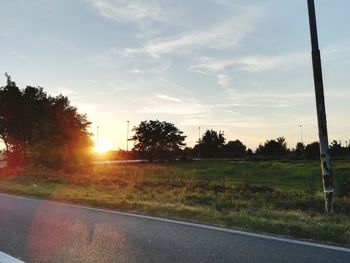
x=104, y=145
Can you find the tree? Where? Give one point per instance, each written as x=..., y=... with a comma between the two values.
x=299, y=149
x=11, y=117
x=158, y=140
x=273, y=148
x=42, y=129
x=62, y=138
x=250, y=153
x=312, y=150
x=235, y=149
x=336, y=149
x=211, y=144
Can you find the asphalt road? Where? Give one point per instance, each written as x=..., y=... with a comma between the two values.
x=40, y=231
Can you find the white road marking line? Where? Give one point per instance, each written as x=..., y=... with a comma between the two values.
x=4, y=258
x=226, y=230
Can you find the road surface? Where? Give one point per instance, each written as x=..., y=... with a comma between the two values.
x=39, y=231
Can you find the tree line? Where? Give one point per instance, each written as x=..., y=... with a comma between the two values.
x=160, y=140
x=47, y=130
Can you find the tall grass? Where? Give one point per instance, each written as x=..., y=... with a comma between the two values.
x=280, y=197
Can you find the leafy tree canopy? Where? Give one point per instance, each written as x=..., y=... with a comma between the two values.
x=277, y=147
x=312, y=150
x=36, y=127
x=235, y=149
x=211, y=144
x=158, y=140
x=299, y=149
x=336, y=149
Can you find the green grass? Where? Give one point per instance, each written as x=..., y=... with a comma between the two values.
x=279, y=197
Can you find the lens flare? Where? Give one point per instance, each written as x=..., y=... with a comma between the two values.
x=104, y=145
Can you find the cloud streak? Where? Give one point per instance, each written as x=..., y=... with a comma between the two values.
x=251, y=63
x=166, y=105
x=126, y=11
x=226, y=34
x=260, y=63
x=168, y=98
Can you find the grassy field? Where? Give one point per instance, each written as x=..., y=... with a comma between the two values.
x=279, y=197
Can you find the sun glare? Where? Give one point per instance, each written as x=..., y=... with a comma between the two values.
x=103, y=145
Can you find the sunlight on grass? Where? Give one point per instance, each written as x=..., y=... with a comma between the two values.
x=268, y=196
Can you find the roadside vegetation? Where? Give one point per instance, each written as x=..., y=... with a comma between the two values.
x=274, y=189
x=278, y=197
x=37, y=128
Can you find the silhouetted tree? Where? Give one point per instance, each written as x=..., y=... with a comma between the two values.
x=235, y=149
x=188, y=154
x=158, y=140
x=211, y=144
x=336, y=149
x=61, y=139
x=43, y=129
x=312, y=150
x=11, y=109
x=250, y=153
x=299, y=149
x=273, y=148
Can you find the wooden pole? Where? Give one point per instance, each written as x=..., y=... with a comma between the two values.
x=327, y=175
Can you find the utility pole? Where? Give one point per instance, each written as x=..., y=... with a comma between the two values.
x=301, y=134
x=127, y=139
x=199, y=142
x=327, y=175
x=97, y=135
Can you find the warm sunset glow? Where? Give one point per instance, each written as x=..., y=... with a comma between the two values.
x=104, y=145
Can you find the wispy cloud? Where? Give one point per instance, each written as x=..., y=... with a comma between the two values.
x=224, y=80
x=260, y=105
x=275, y=95
x=259, y=63
x=152, y=67
x=115, y=58
x=168, y=98
x=336, y=49
x=130, y=11
x=57, y=90
x=251, y=63
x=223, y=69
x=268, y=99
x=166, y=105
x=229, y=33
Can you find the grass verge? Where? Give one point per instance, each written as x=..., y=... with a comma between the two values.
x=277, y=197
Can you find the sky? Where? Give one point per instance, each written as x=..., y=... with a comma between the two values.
x=238, y=66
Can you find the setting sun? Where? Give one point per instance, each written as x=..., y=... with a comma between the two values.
x=104, y=145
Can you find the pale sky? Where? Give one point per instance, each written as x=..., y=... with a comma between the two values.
x=241, y=66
